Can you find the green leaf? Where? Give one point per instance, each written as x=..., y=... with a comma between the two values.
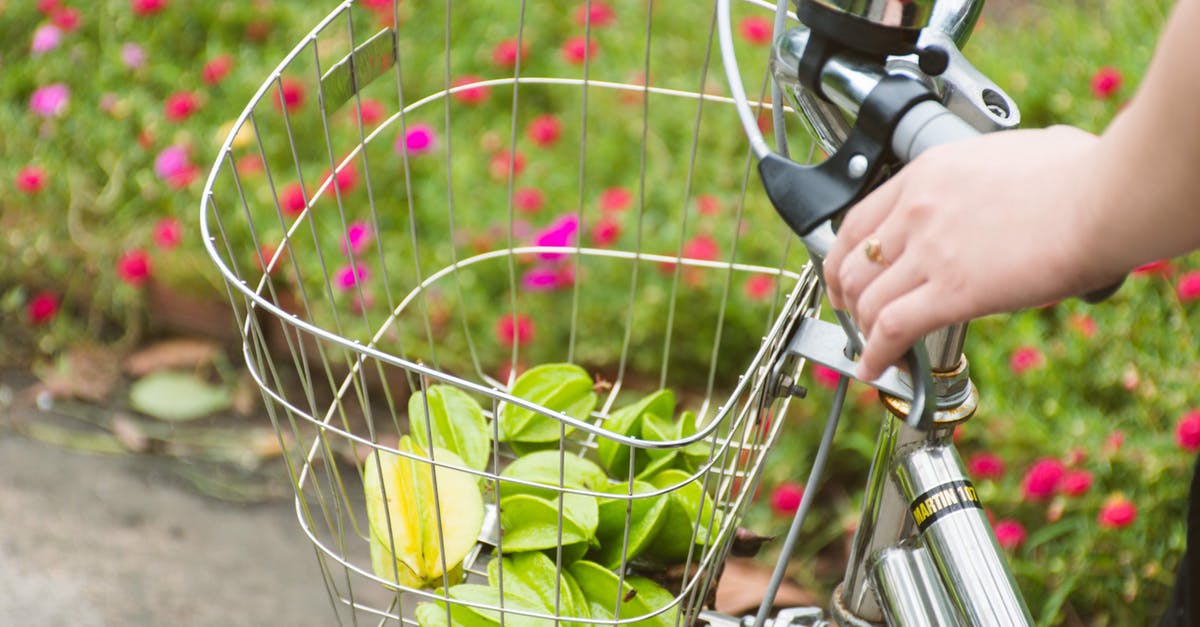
x=456, y=421
x=697, y=453
x=564, y=388
x=177, y=397
x=531, y=523
x=688, y=510
x=546, y=468
x=532, y=575
x=613, y=455
x=650, y=461
x=646, y=517
x=636, y=597
x=485, y=595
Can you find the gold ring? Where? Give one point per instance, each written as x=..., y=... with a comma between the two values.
x=874, y=251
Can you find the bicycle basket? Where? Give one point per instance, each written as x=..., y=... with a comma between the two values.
x=469, y=246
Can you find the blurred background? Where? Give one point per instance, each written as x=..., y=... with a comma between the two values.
x=119, y=343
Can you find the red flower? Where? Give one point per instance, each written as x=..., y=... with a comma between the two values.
x=1042, y=478
x=147, y=7
x=1117, y=513
x=513, y=329
x=134, y=267
x=47, y=7
x=786, y=497
x=826, y=377
x=66, y=19
x=756, y=29
x=701, y=247
x=31, y=179
x=505, y=160
x=1187, y=431
x=708, y=205
x=291, y=200
x=1188, y=288
x=168, y=232
x=372, y=112
x=506, y=53
x=292, y=93
x=41, y=308
x=1083, y=323
x=759, y=286
x=1162, y=267
x=528, y=199
x=1010, y=534
x=577, y=50
x=268, y=252
x=1114, y=442
x=180, y=106
x=544, y=130
x=345, y=180
x=1105, y=82
x=469, y=95
x=1075, y=482
x=985, y=466
x=605, y=231
x=216, y=69
x=615, y=199
x=1024, y=359
x=600, y=14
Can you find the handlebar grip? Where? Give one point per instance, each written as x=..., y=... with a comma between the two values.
x=926, y=125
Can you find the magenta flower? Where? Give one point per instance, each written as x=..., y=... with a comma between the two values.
x=350, y=275
x=826, y=377
x=511, y=330
x=45, y=38
x=540, y=279
x=358, y=237
x=1024, y=359
x=1009, y=534
x=1117, y=512
x=133, y=56
x=50, y=100
x=41, y=308
x=786, y=497
x=133, y=267
x=1042, y=479
x=418, y=139
x=1075, y=483
x=1187, y=431
x=168, y=232
x=561, y=232
x=985, y=466
x=759, y=287
x=172, y=162
x=1105, y=82
x=1188, y=288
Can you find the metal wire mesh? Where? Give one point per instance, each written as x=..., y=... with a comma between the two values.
x=424, y=201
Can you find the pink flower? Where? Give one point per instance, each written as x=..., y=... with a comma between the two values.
x=66, y=18
x=469, y=95
x=347, y=276
x=168, y=232
x=701, y=247
x=545, y=130
x=1105, y=82
x=358, y=237
x=1188, y=288
x=985, y=466
x=31, y=179
x=172, y=162
x=576, y=50
x=708, y=205
x=1075, y=482
x=759, y=287
x=615, y=199
x=41, y=308
x=504, y=161
x=45, y=38
x=528, y=199
x=826, y=377
x=1162, y=267
x=561, y=232
x=540, y=279
x=1010, y=534
x=345, y=179
x=133, y=267
x=1187, y=431
x=1024, y=359
x=133, y=56
x=180, y=106
x=50, y=100
x=372, y=112
x=506, y=53
x=511, y=330
x=598, y=13
x=786, y=497
x=418, y=139
x=147, y=7
x=216, y=69
x=605, y=231
x=756, y=29
x=292, y=200
x=1117, y=513
x=1042, y=478
x=291, y=93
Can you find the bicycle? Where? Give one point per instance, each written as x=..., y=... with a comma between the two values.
x=334, y=382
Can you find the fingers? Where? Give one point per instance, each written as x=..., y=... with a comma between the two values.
x=900, y=323
x=862, y=220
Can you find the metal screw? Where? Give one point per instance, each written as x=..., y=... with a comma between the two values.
x=857, y=166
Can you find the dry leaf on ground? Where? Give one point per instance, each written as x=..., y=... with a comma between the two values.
x=180, y=353
x=742, y=585
x=84, y=372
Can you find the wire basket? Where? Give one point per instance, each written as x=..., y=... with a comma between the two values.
x=511, y=306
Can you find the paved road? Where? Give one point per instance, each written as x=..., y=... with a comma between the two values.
x=92, y=541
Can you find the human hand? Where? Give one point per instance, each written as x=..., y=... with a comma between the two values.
x=991, y=224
